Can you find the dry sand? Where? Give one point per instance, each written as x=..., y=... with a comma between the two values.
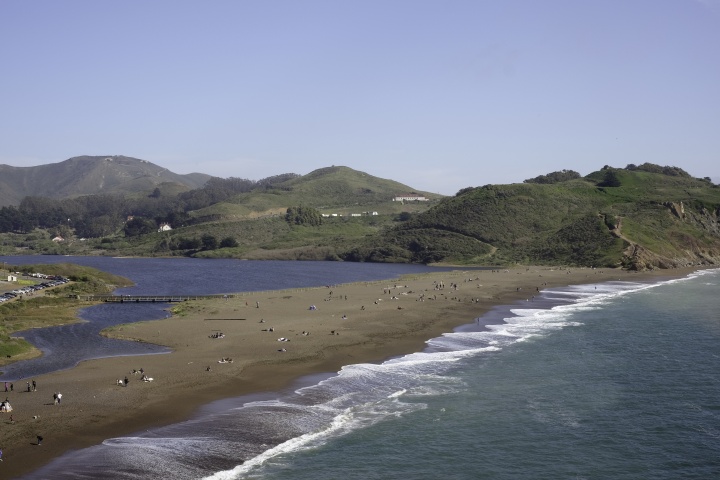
x=384, y=319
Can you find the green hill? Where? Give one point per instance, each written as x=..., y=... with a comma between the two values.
x=90, y=175
x=354, y=206
x=649, y=219
x=340, y=190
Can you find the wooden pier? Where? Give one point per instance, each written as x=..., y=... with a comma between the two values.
x=150, y=298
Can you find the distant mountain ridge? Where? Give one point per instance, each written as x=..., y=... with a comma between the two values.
x=89, y=175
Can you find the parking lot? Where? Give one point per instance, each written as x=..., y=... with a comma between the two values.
x=44, y=281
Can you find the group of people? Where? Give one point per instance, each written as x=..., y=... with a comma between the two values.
x=143, y=377
x=30, y=387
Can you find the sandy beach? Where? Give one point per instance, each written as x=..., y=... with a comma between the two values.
x=272, y=338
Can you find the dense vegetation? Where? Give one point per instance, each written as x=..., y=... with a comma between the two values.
x=103, y=215
x=301, y=215
x=555, y=177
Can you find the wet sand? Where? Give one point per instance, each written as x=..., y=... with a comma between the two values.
x=383, y=319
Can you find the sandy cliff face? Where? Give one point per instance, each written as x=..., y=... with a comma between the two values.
x=697, y=244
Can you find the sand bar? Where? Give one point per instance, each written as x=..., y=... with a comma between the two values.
x=382, y=319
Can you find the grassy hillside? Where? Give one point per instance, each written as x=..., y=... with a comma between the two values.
x=650, y=219
x=330, y=190
x=252, y=222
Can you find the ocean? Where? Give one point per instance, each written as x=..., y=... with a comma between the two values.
x=615, y=380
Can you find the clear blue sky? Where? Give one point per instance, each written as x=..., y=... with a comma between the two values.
x=439, y=95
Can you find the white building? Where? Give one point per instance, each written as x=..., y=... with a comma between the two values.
x=411, y=197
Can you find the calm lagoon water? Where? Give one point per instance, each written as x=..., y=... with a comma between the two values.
x=65, y=346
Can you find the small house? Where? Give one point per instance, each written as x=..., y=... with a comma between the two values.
x=411, y=197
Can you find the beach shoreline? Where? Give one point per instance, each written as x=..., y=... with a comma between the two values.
x=384, y=319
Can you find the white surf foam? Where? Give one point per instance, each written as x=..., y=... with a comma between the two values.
x=362, y=395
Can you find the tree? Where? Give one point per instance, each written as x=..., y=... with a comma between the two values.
x=209, y=242
x=464, y=190
x=187, y=243
x=303, y=216
x=555, y=177
x=610, y=179
x=139, y=226
x=228, y=242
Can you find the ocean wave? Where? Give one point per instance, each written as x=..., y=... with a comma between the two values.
x=256, y=434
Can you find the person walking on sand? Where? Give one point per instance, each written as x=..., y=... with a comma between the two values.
x=55, y=398
x=39, y=439
x=126, y=381
x=59, y=397
x=34, y=386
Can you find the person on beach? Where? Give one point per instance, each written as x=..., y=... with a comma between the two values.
x=28, y=386
x=59, y=397
x=126, y=381
x=34, y=385
x=55, y=398
x=39, y=440
x=12, y=387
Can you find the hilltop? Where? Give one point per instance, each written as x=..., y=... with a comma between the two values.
x=636, y=217
x=89, y=175
x=331, y=190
